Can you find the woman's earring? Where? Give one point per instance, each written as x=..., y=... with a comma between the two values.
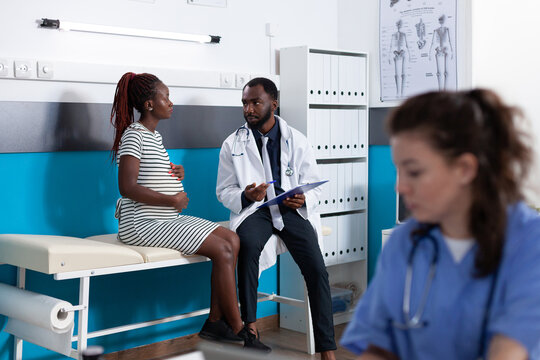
x=150, y=109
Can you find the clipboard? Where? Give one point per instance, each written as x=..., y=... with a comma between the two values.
x=300, y=189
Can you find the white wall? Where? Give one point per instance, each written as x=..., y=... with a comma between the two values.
x=358, y=31
x=506, y=51
x=244, y=46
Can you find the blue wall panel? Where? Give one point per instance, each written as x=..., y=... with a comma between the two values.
x=382, y=200
x=74, y=193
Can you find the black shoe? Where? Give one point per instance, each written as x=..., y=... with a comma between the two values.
x=219, y=331
x=252, y=341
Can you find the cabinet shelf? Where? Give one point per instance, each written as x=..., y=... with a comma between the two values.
x=335, y=106
x=327, y=160
x=339, y=213
x=324, y=94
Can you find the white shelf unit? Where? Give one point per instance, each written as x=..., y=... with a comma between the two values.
x=323, y=93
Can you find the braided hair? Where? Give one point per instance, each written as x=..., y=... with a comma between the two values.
x=479, y=123
x=132, y=91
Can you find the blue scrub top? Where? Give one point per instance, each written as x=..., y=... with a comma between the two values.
x=456, y=303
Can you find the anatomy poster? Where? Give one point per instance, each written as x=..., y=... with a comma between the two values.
x=417, y=47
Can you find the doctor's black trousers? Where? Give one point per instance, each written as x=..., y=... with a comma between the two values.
x=301, y=241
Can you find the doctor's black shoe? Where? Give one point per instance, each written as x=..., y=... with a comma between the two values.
x=219, y=331
x=252, y=340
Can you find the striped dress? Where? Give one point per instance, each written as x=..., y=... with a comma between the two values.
x=157, y=226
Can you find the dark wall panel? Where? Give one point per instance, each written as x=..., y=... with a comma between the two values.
x=47, y=126
x=377, y=132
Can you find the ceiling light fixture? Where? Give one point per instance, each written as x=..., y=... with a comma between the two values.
x=103, y=29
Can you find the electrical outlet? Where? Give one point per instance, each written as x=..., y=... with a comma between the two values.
x=45, y=69
x=227, y=80
x=23, y=69
x=241, y=80
x=4, y=67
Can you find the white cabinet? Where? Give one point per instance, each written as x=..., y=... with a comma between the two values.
x=323, y=93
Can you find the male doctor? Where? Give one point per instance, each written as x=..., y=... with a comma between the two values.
x=257, y=162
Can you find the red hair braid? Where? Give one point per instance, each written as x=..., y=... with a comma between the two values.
x=131, y=92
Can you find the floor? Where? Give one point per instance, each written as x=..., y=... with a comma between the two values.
x=288, y=344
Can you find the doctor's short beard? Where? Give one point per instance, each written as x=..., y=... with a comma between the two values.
x=262, y=120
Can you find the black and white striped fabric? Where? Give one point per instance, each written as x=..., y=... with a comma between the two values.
x=157, y=226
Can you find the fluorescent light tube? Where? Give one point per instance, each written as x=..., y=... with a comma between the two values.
x=114, y=30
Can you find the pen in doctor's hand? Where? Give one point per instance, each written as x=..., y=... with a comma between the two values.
x=271, y=182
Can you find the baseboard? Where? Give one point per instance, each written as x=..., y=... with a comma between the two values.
x=178, y=345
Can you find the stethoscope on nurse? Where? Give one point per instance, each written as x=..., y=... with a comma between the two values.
x=241, y=139
x=416, y=322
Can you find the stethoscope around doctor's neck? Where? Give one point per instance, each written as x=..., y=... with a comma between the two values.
x=241, y=139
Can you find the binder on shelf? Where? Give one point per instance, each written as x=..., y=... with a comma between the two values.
x=327, y=79
x=312, y=78
x=361, y=253
x=359, y=189
x=339, y=133
x=332, y=187
x=345, y=234
x=351, y=241
x=348, y=199
x=355, y=133
x=344, y=79
x=324, y=131
x=354, y=66
x=325, y=198
x=346, y=133
x=330, y=241
x=316, y=70
x=351, y=127
x=341, y=187
x=351, y=99
x=362, y=133
x=361, y=80
x=335, y=132
x=312, y=125
x=334, y=78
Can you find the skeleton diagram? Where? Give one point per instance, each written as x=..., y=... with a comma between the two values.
x=398, y=47
x=443, y=49
x=421, y=32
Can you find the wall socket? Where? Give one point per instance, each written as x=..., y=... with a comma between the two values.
x=23, y=69
x=227, y=80
x=45, y=70
x=4, y=67
x=241, y=80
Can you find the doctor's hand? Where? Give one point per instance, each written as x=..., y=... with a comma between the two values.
x=256, y=193
x=180, y=201
x=295, y=202
x=177, y=171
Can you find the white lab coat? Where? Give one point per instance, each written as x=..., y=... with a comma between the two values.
x=237, y=172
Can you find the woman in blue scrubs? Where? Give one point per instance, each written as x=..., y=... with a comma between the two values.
x=461, y=278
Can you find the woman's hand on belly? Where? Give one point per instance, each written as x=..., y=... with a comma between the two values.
x=180, y=201
x=177, y=171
